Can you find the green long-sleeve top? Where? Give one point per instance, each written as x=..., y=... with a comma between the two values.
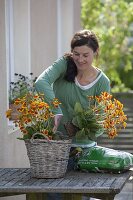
x=52, y=83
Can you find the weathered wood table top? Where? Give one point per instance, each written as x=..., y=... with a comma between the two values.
x=19, y=181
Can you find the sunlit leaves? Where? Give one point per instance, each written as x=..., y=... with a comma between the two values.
x=113, y=22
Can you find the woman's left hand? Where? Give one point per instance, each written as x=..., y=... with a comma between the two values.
x=57, y=119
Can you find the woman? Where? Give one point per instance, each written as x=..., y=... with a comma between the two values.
x=71, y=78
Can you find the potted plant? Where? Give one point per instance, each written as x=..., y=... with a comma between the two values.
x=19, y=88
x=48, y=151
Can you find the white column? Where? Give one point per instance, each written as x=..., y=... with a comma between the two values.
x=59, y=22
x=3, y=81
x=68, y=22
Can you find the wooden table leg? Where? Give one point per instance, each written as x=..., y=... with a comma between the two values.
x=67, y=196
x=36, y=196
x=109, y=197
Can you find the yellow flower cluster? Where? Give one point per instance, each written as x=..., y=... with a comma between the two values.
x=113, y=114
x=35, y=115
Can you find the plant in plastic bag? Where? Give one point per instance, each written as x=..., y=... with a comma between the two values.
x=104, y=114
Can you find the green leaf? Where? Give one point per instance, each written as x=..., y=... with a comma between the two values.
x=81, y=136
x=30, y=130
x=77, y=121
x=78, y=108
x=91, y=136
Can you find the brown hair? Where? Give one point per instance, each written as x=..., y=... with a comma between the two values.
x=83, y=37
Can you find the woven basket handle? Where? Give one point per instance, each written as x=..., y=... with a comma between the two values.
x=46, y=137
x=33, y=136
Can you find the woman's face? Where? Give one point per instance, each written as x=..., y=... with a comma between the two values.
x=83, y=57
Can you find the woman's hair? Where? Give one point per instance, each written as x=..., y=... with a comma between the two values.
x=83, y=37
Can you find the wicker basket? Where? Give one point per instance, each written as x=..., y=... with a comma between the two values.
x=48, y=159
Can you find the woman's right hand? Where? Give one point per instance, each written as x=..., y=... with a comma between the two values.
x=57, y=119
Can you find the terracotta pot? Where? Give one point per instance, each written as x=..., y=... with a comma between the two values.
x=71, y=129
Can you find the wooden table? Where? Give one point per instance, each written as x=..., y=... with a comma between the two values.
x=14, y=181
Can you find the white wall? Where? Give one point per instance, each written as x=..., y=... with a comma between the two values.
x=70, y=22
x=42, y=30
x=43, y=34
x=53, y=23
x=21, y=31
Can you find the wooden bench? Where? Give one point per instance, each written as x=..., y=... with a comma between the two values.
x=16, y=181
x=124, y=140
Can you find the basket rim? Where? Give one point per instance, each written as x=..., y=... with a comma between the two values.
x=66, y=141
